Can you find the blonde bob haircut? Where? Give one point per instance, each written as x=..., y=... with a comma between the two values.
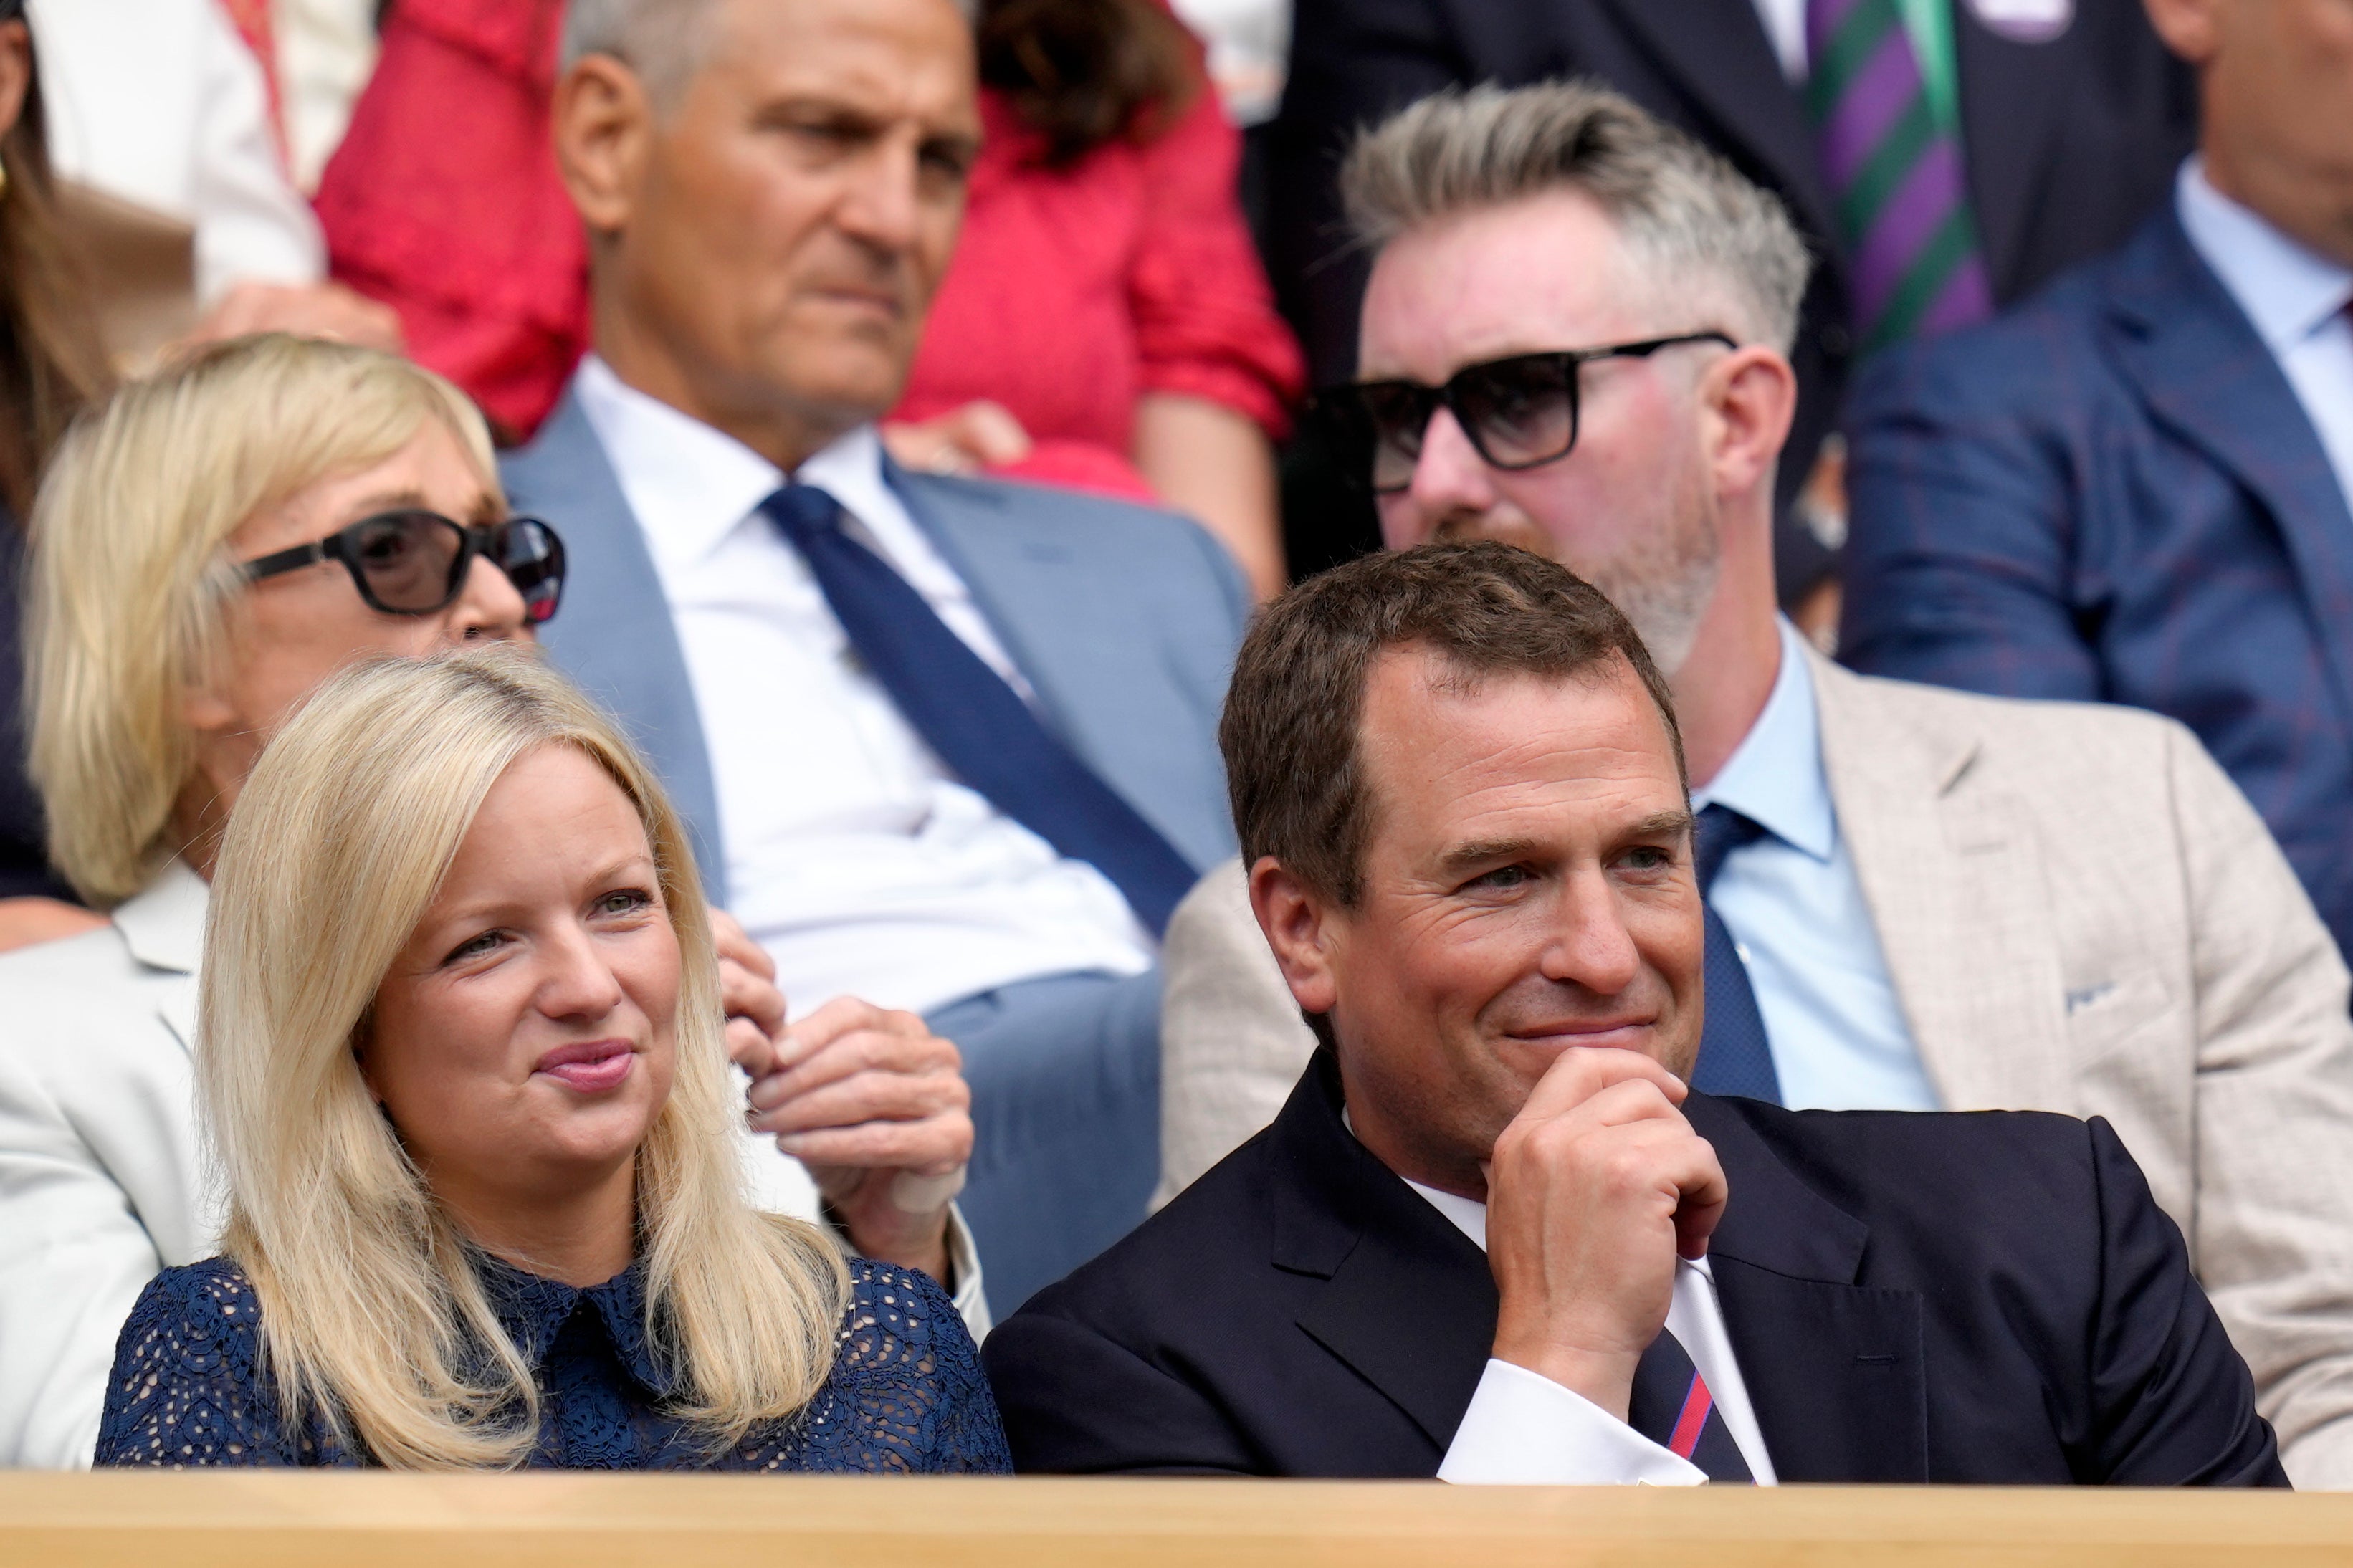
x=372, y=1316
x=130, y=579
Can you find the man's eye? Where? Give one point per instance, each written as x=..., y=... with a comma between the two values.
x=1648, y=858
x=1502, y=879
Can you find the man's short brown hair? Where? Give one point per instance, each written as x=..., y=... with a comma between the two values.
x=1294, y=764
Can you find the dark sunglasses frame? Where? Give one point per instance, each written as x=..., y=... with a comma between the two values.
x=536, y=572
x=1348, y=413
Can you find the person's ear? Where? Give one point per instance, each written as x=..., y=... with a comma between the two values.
x=1747, y=398
x=2191, y=29
x=604, y=128
x=16, y=72
x=1300, y=927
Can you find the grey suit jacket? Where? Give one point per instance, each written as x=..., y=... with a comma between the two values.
x=1124, y=619
x=2080, y=913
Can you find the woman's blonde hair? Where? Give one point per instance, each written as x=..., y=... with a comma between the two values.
x=129, y=579
x=372, y=1315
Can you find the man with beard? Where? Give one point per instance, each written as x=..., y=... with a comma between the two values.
x=1574, y=341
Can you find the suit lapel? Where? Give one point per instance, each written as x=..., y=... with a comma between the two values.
x=1835, y=1371
x=1410, y=1305
x=2205, y=375
x=615, y=636
x=1718, y=50
x=1955, y=893
x=164, y=927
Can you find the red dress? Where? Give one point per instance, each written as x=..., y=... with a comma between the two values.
x=1072, y=294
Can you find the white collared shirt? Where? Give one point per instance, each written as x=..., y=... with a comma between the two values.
x=2296, y=299
x=1524, y=1429
x=852, y=857
x=1795, y=912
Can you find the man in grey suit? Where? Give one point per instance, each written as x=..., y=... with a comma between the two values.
x=946, y=745
x=1575, y=338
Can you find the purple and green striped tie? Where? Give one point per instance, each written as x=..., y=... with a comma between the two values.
x=1895, y=173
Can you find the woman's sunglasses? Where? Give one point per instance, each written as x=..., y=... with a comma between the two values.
x=413, y=562
x=1518, y=412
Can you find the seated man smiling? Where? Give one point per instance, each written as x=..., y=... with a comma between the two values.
x=1459, y=789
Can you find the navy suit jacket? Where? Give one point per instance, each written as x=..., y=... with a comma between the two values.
x=1124, y=621
x=2113, y=495
x=1983, y=1297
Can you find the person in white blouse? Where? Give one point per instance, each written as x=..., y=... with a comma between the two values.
x=215, y=544
x=1494, y=1236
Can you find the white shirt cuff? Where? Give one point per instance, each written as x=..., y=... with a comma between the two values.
x=963, y=1266
x=1523, y=1430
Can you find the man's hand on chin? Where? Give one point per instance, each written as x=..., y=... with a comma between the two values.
x=1593, y=1191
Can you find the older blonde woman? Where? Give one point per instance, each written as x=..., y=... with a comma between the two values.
x=460, y=1039
x=211, y=546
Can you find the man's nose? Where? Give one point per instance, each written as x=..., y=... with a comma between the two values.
x=882, y=204
x=1590, y=946
x=1450, y=480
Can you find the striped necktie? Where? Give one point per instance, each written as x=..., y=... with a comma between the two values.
x=1895, y=173
x=1672, y=1405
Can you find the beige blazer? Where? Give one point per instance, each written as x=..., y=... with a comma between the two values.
x=102, y=1178
x=2080, y=913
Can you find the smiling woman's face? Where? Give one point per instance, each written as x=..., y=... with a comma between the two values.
x=523, y=1040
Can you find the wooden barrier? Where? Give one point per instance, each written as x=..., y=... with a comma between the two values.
x=260, y=1520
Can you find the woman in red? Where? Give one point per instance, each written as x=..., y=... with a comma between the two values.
x=1106, y=324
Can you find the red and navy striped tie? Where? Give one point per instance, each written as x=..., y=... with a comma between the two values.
x=1672, y=1407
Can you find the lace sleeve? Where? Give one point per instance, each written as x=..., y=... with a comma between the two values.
x=906, y=1391
x=187, y=1388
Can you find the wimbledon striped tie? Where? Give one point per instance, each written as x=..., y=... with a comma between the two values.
x=1897, y=173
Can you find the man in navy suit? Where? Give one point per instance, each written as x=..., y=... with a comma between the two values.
x=1493, y=1236
x=2065, y=116
x=2134, y=488
x=946, y=745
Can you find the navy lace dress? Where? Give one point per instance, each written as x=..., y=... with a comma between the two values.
x=906, y=1392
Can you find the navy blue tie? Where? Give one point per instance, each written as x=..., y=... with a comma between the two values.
x=1673, y=1407
x=977, y=724
x=1735, y=1058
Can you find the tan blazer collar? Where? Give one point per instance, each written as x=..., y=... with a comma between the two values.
x=1948, y=867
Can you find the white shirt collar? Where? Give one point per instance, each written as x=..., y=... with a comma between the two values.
x=1774, y=776
x=709, y=480
x=2287, y=290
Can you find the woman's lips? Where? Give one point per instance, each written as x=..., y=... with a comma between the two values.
x=591, y=1069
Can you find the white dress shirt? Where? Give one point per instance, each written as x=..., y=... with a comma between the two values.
x=852, y=857
x=159, y=103
x=1524, y=1429
x=1796, y=912
x=2296, y=298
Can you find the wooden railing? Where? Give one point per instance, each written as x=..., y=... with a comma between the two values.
x=257, y=1520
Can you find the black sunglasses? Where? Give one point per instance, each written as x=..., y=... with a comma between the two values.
x=1518, y=412
x=414, y=562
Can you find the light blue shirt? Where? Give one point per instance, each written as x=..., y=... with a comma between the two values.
x=1796, y=914
x=2296, y=299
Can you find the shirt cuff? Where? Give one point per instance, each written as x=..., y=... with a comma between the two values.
x=1523, y=1430
x=964, y=1267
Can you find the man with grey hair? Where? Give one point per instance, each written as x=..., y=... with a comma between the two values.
x=1574, y=339
x=943, y=744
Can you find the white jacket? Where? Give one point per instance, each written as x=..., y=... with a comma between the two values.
x=102, y=1178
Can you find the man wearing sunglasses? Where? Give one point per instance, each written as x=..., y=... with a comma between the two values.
x=1575, y=340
